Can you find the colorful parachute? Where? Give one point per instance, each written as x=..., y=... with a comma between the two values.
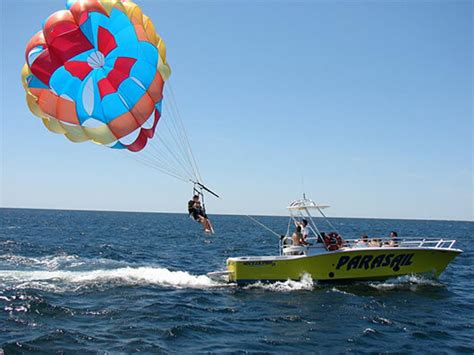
x=96, y=72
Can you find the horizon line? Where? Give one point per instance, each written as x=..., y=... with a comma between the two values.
x=228, y=214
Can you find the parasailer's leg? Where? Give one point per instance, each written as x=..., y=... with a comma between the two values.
x=207, y=225
x=209, y=228
x=203, y=221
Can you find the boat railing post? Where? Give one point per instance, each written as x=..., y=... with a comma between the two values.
x=318, y=232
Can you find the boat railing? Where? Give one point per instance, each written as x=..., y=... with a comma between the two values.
x=405, y=242
x=435, y=243
x=408, y=242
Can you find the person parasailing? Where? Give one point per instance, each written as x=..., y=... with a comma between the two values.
x=198, y=213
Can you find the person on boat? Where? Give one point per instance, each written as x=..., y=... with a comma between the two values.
x=298, y=238
x=363, y=242
x=305, y=229
x=196, y=211
x=393, y=239
x=375, y=243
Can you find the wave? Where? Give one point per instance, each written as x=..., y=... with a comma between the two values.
x=61, y=280
x=336, y=290
x=304, y=284
x=410, y=282
x=50, y=262
x=57, y=262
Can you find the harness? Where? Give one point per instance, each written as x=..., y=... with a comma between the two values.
x=198, y=190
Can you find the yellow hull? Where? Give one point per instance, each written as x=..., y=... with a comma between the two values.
x=354, y=264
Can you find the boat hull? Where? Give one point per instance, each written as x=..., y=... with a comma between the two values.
x=353, y=264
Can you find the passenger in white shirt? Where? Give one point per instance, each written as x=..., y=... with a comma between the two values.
x=363, y=242
x=305, y=229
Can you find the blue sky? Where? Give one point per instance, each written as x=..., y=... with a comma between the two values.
x=371, y=102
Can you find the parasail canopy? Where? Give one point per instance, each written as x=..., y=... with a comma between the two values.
x=96, y=72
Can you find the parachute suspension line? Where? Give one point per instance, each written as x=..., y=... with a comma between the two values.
x=177, y=135
x=168, y=155
x=183, y=130
x=171, y=148
x=174, y=134
x=145, y=162
x=170, y=151
x=164, y=153
x=179, y=126
x=149, y=159
x=157, y=162
x=163, y=171
x=161, y=162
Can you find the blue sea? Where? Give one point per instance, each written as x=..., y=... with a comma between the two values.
x=73, y=281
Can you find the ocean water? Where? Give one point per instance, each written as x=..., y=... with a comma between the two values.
x=76, y=281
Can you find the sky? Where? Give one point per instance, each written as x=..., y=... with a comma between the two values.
x=364, y=105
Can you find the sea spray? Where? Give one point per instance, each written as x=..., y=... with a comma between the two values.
x=72, y=280
x=410, y=282
x=304, y=284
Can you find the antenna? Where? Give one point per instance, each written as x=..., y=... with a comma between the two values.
x=302, y=184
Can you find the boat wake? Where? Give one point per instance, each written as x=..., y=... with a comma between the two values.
x=71, y=273
x=56, y=262
x=63, y=281
x=407, y=282
x=304, y=284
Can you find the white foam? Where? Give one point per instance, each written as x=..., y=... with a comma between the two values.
x=58, y=262
x=61, y=280
x=336, y=290
x=304, y=284
x=411, y=282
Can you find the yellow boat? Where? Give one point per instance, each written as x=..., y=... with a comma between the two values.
x=329, y=259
